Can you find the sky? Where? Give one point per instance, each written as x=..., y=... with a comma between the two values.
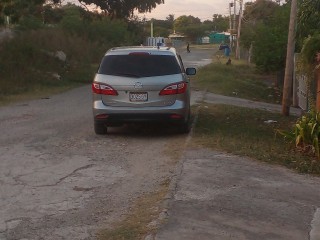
x=203, y=9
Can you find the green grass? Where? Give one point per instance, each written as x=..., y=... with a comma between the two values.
x=243, y=132
x=238, y=80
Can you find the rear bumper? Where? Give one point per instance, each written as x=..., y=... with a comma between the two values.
x=175, y=113
x=138, y=118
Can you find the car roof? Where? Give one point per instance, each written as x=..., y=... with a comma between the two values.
x=141, y=49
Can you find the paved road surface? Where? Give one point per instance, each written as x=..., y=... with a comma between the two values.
x=218, y=196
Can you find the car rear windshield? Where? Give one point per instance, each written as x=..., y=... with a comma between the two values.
x=139, y=65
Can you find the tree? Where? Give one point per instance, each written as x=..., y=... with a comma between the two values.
x=170, y=18
x=124, y=8
x=310, y=63
x=265, y=26
x=308, y=39
x=19, y=9
x=193, y=31
x=52, y=15
x=308, y=20
x=162, y=27
x=190, y=26
x=185, y=21
x=260, y=10
x=220, y=23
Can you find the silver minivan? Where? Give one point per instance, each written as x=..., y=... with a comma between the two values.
x=141, y=84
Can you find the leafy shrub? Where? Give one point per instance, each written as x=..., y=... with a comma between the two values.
x=30, y=22
x=306, y=133
x=27, y=61
x=310, y=47
x=102, y=30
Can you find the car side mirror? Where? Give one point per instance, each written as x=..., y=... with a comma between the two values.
x=191, y=71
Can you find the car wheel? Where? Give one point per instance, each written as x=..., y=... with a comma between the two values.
x=185, y=127
x=100, y=128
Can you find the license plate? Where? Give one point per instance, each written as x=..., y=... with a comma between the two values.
x=138, y=97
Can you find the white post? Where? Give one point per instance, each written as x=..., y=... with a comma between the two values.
x=151, y=32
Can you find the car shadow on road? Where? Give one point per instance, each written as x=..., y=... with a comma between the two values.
x=145, y=130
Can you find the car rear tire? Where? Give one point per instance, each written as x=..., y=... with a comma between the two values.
x=185, y=127
x=100, y=128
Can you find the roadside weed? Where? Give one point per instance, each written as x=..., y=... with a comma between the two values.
x=305, y=133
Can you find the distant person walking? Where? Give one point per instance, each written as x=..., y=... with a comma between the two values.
x=188, y=47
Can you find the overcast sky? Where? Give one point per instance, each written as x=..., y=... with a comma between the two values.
x=203, y=9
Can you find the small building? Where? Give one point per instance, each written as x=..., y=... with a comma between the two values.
x=156, y=41
x=176, y=36
x=205, y=40
x=218, y=38
x=215, y=38
x=176, y=40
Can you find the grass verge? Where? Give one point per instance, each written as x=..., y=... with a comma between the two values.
x=238, y=80
x=243, y=132
x=137, y=225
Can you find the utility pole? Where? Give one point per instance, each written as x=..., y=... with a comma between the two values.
x=234, y=21
x=288, y=77
x=239, y=31
x=230, y=17
x=230, y=25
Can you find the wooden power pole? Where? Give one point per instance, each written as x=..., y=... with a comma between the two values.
x=239, y=31
x=234, y=23
x=230, y=18
x=288, y=77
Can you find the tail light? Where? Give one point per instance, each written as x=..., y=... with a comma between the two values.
x=102, y=116
x=175, y=88
x=175, y=116
x=100, y=88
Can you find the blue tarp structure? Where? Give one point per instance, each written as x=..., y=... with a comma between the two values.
x=226, y=49
x=216, y=37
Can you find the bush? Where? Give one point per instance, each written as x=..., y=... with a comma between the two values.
x=27, y=61
x=29, y=23
x=306, y=133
